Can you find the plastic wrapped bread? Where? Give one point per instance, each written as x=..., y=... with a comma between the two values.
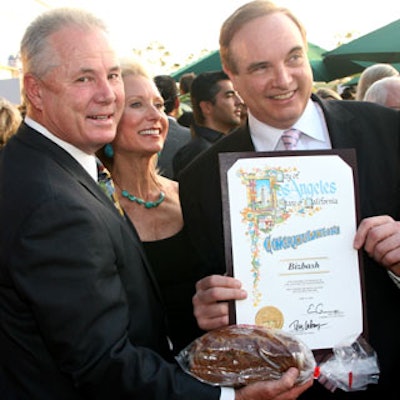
x=237, y=355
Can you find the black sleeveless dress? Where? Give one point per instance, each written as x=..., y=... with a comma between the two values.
x=175, y=268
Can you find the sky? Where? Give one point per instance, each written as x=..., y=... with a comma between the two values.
x=186, y=27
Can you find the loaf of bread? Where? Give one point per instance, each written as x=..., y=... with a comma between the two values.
x=237, y=355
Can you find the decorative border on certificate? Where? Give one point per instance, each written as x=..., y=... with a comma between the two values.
x=289, y=223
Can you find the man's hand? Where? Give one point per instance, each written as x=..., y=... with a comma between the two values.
x=380, y=237
x=282, y=389
x=210, y=302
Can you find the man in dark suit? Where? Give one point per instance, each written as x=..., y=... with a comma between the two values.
x=274, y=78
x=178, y=135
x=81, y=316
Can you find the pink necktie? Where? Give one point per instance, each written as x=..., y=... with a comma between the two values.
x=290, y=138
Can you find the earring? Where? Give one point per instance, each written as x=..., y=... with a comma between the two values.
x=109, y=151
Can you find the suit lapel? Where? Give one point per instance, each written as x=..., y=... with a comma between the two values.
x=240, y=139
x=339, y=122
x=32, y=138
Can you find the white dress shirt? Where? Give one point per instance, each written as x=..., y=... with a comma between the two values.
x=312, y=124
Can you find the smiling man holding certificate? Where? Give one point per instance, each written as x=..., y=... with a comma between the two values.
x=263, y=50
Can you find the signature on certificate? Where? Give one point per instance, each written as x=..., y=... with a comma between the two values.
x=307, y=325
x=319, y=309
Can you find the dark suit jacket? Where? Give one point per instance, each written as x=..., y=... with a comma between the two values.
x=203, y=138
x=374, y=132
x=80, y=313
x=177, y=137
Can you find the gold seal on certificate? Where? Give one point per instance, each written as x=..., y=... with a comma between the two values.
x=269, y=317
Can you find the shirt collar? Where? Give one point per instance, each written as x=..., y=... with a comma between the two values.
x=310, y=123
x=87, y=161
x=266, y=137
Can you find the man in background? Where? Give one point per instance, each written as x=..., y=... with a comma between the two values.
x=372, y=74
x=186, y=111
x=217, y=109
x=178, y=135
x=385, y=91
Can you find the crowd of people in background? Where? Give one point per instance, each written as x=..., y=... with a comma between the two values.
x=385, y=91
x=372, y=74
x=101, y=288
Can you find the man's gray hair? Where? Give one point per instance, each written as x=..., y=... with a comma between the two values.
x=36, y=54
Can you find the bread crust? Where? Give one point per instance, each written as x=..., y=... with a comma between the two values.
x=237, y=355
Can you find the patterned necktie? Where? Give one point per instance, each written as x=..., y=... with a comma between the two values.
x=107, y=184
x=290, y=138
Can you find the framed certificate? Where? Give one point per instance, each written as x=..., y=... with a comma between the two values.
x=289, y=223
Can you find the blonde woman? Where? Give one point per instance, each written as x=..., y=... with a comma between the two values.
x=151, y=201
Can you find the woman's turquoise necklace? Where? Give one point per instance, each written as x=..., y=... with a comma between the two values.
x=138, y=200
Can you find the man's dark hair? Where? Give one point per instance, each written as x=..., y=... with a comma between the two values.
x=168, y=90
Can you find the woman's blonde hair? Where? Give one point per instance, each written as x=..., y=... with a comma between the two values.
x=132, y=66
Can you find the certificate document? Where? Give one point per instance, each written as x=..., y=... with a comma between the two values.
x=289, y=224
